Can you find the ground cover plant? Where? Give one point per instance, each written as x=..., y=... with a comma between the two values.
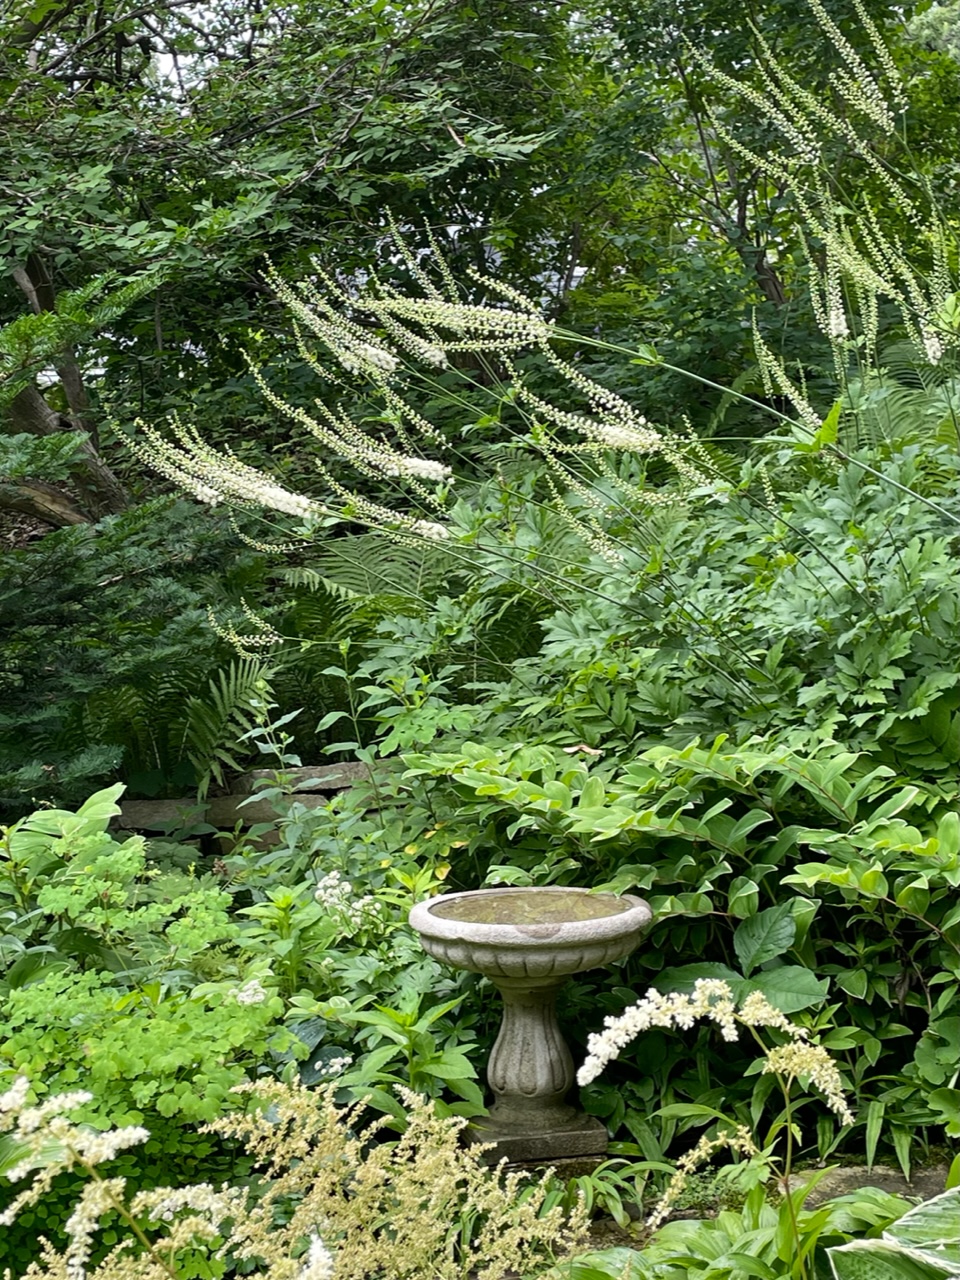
x=581, y=628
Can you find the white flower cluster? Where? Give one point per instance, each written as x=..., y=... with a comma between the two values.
x=39, y=1129
x=251, y=992
x=478, y=328
x=364, y=355
x=711, y=999
x=814, y=1062
x=631, y=438
x=422, y=468
x=739, y=1140
x=335, y=1065
x=164, y=1206
x=757, y=1011
x=932, y=346
x=96, y=1199
x=318, y=1263
x=213, y=477
x=30, y=1119
x=429, y=529
x=837, y=326
x=336, y=894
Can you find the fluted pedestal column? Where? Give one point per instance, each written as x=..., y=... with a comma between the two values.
x=530, y=1073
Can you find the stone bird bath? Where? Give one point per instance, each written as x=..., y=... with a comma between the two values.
x=528, y=942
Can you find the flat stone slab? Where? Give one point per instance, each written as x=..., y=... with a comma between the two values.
x=312, y=786
x=311, y=777
x=582, y=1136
x=222, y=811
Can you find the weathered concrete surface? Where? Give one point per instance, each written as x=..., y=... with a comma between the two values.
x=528, y=941
x=581, y=1136
x=311, y=777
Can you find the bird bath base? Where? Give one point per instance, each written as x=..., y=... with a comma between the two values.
x=581, y=1136
x=528, y=942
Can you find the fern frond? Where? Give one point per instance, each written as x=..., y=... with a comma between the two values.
x=216, y=723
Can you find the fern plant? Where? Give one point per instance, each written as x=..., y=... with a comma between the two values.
x=216, y=725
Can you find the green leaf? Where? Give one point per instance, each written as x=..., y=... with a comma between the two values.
x=873, y=1116
x=593, y=795
x=683, y=977
x=948, y=834
x=765, y=936
x=790, y=988
x=743, y=897
x=934, y=1223
x=854, y=981
x=881, y=1260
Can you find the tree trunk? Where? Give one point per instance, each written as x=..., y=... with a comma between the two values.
x=40, y=500
x=99, y=490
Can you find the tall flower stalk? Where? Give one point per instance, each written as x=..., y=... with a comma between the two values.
x=712, y=1001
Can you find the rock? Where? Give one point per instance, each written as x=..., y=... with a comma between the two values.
x=312, y=777
x=924, y=1185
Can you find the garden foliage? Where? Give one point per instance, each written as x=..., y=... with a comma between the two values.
x=587, y=616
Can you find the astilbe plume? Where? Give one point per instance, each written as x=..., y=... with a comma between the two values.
x=355, y=1207
x=712, y=1001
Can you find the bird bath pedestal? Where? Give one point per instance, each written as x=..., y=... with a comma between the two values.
x=528, y=942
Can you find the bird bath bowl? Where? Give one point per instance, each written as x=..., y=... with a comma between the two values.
x=528, y=942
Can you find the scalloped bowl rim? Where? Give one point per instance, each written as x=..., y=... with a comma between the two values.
x=622, y=924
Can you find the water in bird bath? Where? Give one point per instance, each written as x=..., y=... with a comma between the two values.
x=530, y=906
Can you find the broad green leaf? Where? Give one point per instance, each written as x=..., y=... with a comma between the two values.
x=593, y=795
x=742, y=897
x=683, y=977
x=935, y=1222
x=790, y=987
x=606, y=1264
x=765, y=936
x=854, y=981
x=948, y=834
x=873, y=1115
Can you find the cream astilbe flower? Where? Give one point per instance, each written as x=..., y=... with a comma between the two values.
x=738, y=1140
x=42, y=1131
x=422, y=1206
x=162, y=1204
x=757, y=1011
x=711, y=999
x=96, y=1199
x=15, y=1099
x=814, y=1062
